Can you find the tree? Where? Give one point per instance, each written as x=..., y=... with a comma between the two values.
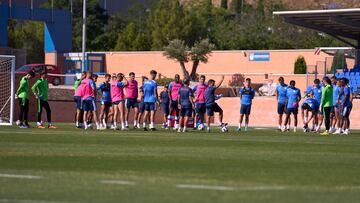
x=200, y=53
x=167, y=22
x=178, y=51
x=224, y=4
x=300, y=65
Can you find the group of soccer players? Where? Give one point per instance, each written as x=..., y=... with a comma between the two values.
x=119, y=94
x=40, y=91
x=329, y=101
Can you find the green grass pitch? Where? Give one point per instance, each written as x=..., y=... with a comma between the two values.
x=71, y=165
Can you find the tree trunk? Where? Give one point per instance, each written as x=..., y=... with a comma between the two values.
x=185, y=72
x=194, y=69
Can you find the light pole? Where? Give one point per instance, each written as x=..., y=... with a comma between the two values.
x=84, y=35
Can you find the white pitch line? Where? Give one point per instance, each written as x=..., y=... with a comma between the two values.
x=19, y=176
x=30, y=201
x=227, y=188
x=117, y=182
x=205, y=187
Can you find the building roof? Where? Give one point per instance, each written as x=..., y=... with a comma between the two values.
x=335, y=22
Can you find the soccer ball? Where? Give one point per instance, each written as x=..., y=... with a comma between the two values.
x=224, y=129
x=200, y=127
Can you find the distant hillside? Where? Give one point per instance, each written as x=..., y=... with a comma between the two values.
x=307, y=4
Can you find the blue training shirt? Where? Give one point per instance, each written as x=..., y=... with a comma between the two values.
x=105, y=91
x=247, y=95
x=184, y=94
x=281, y=92
x=317, y=91
x=164, y=97
x=210, y=95
x=292, y=95
x=149, y=91
x=313, y=103
x=336, y=93
x=345, y=96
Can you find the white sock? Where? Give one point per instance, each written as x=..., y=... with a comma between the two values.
x=104, y=122
x=77, y=123
x=239, y=125
x=184, y=128
x=288, y=127
x=126, y=123
x=115, y=124
x=279, y=127
x=144, y=124
x=152, y=125
x=135, y=122
x=97, y=125
x=122, y=125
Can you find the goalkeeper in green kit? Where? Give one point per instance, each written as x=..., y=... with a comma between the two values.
x=22, y=94
x=40, y=90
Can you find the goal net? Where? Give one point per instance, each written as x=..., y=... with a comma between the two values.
x=7, y=77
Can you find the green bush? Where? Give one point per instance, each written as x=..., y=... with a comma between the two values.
x=164, y=80
x=300, y=65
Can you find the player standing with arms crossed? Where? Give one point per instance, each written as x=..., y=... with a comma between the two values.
x=131, y=99
x=174, y=88
x=150, y=100
x=326, y=103
x=247, y=94
x=40, y=90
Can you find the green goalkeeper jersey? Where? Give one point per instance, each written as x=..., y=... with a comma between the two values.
x=23, y=90
x=77, y=84
x=41, y=89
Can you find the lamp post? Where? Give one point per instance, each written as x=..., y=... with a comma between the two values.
x=84, y=36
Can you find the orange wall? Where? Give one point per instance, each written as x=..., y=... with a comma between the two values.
x=281, y=62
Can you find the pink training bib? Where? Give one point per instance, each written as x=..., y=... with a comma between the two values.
x=87, y=90
x=79, y=90
x=200, y=93
x=117, y=91
x=175, y=87
x=132, y=89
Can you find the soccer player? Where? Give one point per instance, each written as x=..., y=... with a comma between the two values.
x=280, y=92
x=174, y=88
x=165, y=105
x=200, y=105
x=131, y=99
x=211, y=105
x=88, y=98
x=118, y=99
x=326, y=103
x=40, y=90
x=186, y=104
x=345, y=104
x=336, y=119
x=78, y=101
x=247, y=94
x=293, y=97
x=150, y=100
x=106, y=103
x=309, y=105
x=141, y=104
x=22, y=94
x=90, y=116
x=317, y=92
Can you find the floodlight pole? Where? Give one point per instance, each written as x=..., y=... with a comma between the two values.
x=84, y=36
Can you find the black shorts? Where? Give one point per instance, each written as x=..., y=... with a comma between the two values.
x=107, y=104
x=78, y=102
x=211, y=108
x=131, y=103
